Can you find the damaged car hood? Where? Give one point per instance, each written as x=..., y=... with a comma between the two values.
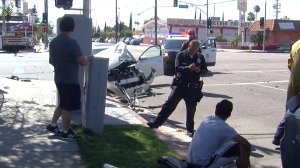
x=117, y=55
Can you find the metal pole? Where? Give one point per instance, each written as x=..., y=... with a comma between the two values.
x=116, y=30
x=3, y=20
x=155, y=20
x=46, y=33
x=32, y=20
x=206, y=19
x=86, y=8
x=264, y=35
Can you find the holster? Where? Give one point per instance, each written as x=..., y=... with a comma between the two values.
x=175, y=82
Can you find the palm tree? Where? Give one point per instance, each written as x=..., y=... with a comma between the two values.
x=256, y=10
x=250, y=17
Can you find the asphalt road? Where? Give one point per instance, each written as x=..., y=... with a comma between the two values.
x=26, y=65
x=255, y=82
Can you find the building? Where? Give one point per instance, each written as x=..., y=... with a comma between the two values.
x=279, y=33
x=149, y=31
x=229, y=29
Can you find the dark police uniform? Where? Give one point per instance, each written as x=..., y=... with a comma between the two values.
x=185, y=45
x=187, y=86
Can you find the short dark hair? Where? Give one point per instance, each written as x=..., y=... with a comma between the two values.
x=224, y=109
x=67, y=24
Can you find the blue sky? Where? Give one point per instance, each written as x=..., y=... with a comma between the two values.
x=104, y=11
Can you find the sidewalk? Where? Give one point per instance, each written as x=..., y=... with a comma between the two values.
x=27, y=109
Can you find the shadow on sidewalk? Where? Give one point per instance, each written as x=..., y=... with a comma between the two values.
x=24, y=141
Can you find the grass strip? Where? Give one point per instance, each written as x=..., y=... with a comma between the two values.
x=124, y=146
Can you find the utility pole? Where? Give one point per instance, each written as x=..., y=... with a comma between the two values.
x=86, y=8
x=46, y=33
x=117, y=26
x=264, y=35
x=206, y=19
x=155, y=21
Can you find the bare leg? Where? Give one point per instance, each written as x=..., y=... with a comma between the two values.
x=57, y=113
x=66, y=119
x=243, y=161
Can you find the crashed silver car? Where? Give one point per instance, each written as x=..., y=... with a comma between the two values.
x=129, y=77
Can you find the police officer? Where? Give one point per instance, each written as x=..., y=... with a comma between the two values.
x=186, y=85
x=192, y=36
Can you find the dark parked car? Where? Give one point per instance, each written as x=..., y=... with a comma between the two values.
x=172, y=45
x=135, y=42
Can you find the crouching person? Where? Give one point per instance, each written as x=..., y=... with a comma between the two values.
x=216, y=144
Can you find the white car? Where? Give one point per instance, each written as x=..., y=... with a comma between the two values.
x=130, y=77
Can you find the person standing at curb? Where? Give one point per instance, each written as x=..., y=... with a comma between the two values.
x=186, y=85
x=293, y=87
x=66, y=57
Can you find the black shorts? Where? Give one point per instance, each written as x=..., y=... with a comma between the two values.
x=69, y=96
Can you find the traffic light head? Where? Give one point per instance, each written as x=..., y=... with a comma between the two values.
x=209, y=23
x=262, y=22
x=45, y=18
x=175, y=3
x=66, y=4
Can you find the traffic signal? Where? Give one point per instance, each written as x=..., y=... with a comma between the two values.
x=45, y=18
x=209, y=23
x=262, y=22
x=175, y=3
x=66, y=4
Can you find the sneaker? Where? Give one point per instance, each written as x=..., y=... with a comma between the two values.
x=54, y=129
x=70, y=135
x=190, y=134
x=151, y=125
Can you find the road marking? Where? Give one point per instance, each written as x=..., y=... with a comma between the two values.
x=246, y=83
x=271, y=87
x=258, y=71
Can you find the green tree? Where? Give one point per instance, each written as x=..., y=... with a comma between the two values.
x=35, y=14
x=98, y=29
x=40, y=32
x=7, y=11
x=236, y=40
x=219, y=38
x=257, y=39
x=250, y=17
x=256, y=10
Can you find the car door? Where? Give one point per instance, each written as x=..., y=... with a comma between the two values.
x=209, y=51
x=151, y=58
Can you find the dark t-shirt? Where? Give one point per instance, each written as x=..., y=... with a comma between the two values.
x=64, y=51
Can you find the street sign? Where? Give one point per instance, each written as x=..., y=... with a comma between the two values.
x=183, y=6
x=242, y=5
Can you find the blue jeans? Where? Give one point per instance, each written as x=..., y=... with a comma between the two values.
x=280, y=128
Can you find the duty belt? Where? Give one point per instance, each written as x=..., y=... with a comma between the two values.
x=197, y=85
